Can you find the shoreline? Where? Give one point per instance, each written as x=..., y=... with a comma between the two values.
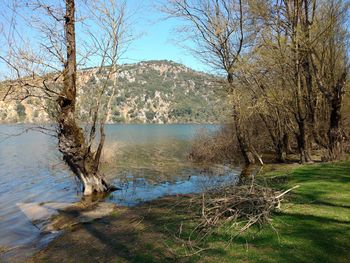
x=152, y=231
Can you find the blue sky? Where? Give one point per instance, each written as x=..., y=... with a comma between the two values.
x=156, y=34
x=158, y=38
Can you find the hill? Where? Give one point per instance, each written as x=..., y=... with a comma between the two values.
x=147, y=92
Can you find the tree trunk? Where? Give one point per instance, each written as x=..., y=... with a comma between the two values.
x=281, y=153
x=247, y=174
x=277, y=139
x=335, y=133
x=71, y=141
x=286, y=143
x=300, y=114
x=244, y=145
x=302, y=143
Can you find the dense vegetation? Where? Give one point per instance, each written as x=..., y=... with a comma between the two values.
x=287, y=67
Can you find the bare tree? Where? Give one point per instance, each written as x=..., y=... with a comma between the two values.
x=221, y=30
x=329, y=59
x=293, y=77
x=70, y=136
x=38, y=73
x=296, y=34
x=112, y=19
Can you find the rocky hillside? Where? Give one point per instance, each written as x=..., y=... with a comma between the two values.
x=146, y=92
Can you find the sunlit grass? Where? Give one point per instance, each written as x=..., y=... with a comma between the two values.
x=314, y=226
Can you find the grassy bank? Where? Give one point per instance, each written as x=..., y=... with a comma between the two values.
x=313, y=226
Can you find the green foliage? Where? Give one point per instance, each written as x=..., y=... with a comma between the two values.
x=119, y=100
x=21, y=111
x=181, y=112
x=133, y=115
x=3, y=115
x=92, y=80
x=118, y=119
x=150, y=115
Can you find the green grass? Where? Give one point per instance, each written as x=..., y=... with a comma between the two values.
x=313, y=225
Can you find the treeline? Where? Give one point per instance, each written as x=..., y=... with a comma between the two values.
x=286, y=63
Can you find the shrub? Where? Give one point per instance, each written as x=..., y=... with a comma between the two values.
x=150, y=115
x=218, y=147
x=21, y=111
x=120, y=100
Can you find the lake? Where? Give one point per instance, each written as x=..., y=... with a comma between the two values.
x=145, y=161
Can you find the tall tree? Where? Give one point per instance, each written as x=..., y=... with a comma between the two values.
x=220, y=30
x=71, y=139
x=329, y=59
x=38, y=73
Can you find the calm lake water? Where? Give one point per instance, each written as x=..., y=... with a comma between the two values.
x=146, y=161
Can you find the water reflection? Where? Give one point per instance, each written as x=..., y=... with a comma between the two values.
x=136, y=188
x=146, y=161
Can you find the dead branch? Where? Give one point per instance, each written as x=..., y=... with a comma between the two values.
x=240, y=207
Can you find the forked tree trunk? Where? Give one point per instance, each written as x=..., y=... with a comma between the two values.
x=71, y=139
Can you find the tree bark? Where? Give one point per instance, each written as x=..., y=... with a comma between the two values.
x=244, y=145
x=335, y=133
x=300, y=115
x=278, y=137
x=71, y=141
x=302, y=142
x=281, y=153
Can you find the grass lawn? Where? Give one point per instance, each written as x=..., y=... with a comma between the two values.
x=313, y=226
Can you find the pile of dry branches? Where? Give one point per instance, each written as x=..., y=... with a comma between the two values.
x=240, y=206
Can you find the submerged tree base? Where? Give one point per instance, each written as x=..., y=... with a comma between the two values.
x=96, y=185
